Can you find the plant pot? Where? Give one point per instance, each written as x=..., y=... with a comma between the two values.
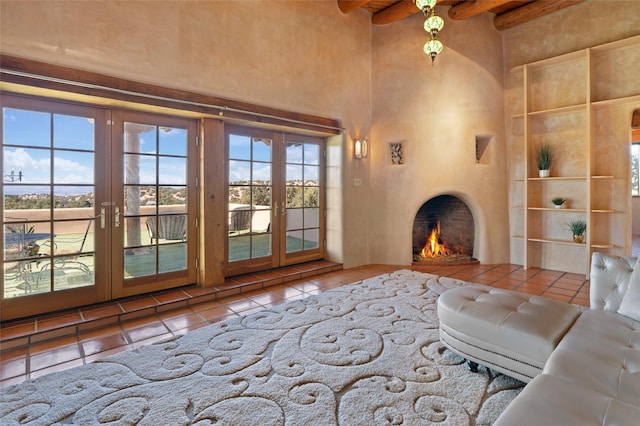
x=543, y=173
x=578, y=239
x=559, y=206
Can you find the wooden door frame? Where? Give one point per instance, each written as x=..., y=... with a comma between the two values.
x=145, y=284
x=100, y=290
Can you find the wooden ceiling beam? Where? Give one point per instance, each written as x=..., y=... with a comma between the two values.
x=395, y=13
x=347, y=6
x=529, y=12
x=469, y=9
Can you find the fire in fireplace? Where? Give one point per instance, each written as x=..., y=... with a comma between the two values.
x=443, y=232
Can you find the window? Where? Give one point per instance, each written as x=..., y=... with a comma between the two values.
x=635, y=169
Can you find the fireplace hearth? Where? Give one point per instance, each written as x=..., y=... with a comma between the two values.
x=443, y=233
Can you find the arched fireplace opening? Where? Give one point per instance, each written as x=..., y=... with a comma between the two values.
x=443, y=232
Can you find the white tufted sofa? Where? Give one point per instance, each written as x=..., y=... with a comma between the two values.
x=593, y=375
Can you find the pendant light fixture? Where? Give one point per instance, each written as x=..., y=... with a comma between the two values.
x=433, y=24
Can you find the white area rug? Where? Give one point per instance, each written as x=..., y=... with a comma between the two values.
x=363, y=354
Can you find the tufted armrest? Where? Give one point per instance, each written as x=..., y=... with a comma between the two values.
x=609, y=280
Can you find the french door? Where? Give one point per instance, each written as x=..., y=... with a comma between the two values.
x=275, y=199
x=152, y=202
x=90, y=198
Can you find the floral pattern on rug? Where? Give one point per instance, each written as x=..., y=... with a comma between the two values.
x=363, y=354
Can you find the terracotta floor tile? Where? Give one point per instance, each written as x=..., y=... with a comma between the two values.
x=171, y=296
x=203, y=306
x=267, y=298
x=102, y=355
x=102, y=311
x=54, y=357
x=12, y=331
x=285, y=291
x=49, y=345
x=563, y=291
x=214, y=313
x=13, y=363
x=556, y=296
x=103, y=343
x=145, y=332
x=151, y=340
x=139, y=303
x=57, y=321
x=183, y=321
x=54, y=368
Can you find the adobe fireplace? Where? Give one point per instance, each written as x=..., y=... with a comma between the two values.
x=443, y=232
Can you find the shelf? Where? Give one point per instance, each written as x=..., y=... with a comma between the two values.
x=619, y=101
x=559, y=178
x=576, y=56
x=550, y=241
x=603, y=245
x=559, y=110
x=553, y=209
x=579, y=102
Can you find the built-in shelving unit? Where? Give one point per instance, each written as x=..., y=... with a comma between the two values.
x=581, y=104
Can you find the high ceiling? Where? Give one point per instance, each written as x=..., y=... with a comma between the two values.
x=508, y=13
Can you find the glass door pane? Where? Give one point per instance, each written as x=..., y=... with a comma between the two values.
x=154, y=203
x=303, y=217
x=49, y=190
x=250, y=197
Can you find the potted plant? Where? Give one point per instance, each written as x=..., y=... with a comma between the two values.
x=544, y=156
x=558, y=202
x=578, y=228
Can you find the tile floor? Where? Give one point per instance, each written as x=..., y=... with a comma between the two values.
x=29, y=349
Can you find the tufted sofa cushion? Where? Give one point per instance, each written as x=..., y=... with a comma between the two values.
x=612, y=276
x=601, y=352
x=550, y=401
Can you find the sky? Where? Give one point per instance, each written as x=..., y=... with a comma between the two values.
x=37, y=142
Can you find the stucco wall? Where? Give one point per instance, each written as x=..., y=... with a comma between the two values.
x=302, y=56
x=437, y=111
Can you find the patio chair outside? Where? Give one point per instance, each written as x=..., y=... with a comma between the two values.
x=169, y=227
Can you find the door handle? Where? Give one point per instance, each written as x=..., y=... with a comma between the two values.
x=117, y=215
x=102, y=218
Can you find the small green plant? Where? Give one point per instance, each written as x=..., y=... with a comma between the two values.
x=558, y=201
x=544, y=156
x=577, y=227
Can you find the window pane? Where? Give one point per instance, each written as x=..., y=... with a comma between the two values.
x=27, y=128
x=72, y=167
x=261, y=149
x=294, y=153
x=311, y=237
x=294, y=241
x=27, y=165
x=239, y=172
x=139, y=169
x=239, y=147
x=294, y=174
x=140, y=138
x=261, y=173
x=172, y=141
x=311, y=153
x=173, y=171
x=73, y=132
x=172, y=257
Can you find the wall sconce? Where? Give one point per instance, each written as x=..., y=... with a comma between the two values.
x=360, y=148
